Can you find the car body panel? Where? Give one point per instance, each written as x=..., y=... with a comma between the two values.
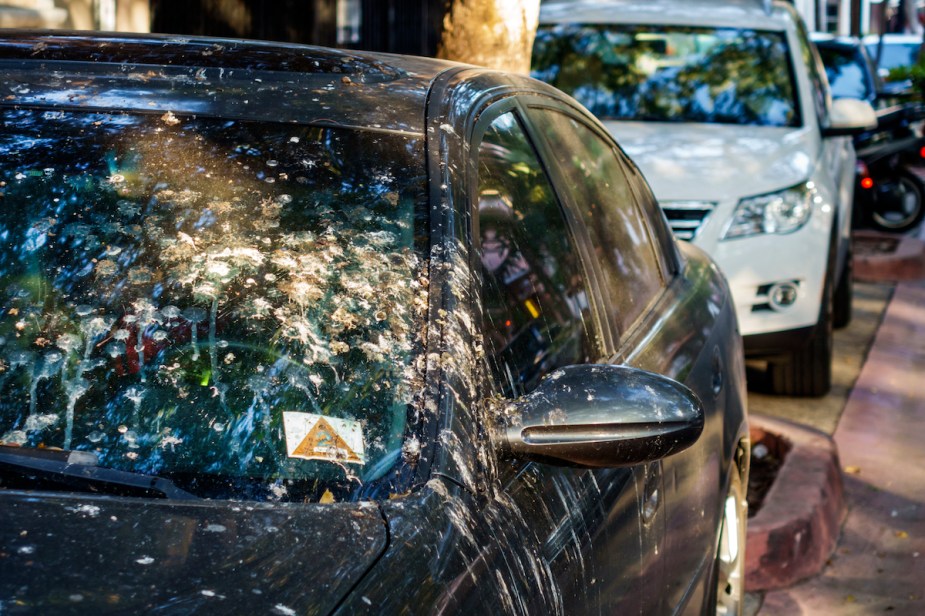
x=160, y=556
x=723, y=13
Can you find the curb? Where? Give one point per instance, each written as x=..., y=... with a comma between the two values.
x=891, y=257
x=796, y=530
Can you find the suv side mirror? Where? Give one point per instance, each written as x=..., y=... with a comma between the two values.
x=850, y=116
x=601, y=416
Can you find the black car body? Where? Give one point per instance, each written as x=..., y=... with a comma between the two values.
x=299, y=331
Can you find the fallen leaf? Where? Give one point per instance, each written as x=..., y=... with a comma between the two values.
x=853, y=470
x=902, y=534
x=326, y=498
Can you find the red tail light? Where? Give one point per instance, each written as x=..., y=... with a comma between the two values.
x=867, y=183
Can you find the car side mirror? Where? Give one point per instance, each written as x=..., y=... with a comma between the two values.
x=850, y=116
x=596, y=416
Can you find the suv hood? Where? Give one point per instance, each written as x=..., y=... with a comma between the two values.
x=90, y=555
x=717, y=162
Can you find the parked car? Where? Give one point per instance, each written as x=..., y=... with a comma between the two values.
x=725, y=107
x=851, y=71
x=293, y=330
x=888, y=193
x=891, y=51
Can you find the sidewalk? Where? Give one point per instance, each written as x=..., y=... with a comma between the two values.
x=879, y=564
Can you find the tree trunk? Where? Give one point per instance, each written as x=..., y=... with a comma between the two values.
x=494, y=33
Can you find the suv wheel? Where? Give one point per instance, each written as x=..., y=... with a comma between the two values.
x=808, y=372
x=841, y=311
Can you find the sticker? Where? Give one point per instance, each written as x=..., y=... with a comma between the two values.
x=315, y=437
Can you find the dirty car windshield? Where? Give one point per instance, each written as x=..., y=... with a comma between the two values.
x=671, y=73
x=233, y=305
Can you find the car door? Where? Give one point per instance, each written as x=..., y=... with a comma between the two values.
x=652, y=329
x=541, y=311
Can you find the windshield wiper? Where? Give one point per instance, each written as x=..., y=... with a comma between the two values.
x=24, y=468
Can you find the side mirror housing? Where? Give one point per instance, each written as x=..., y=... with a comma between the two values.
x=850, y=116
x=595, y=416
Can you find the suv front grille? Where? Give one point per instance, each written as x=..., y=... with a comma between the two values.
x=686, y=217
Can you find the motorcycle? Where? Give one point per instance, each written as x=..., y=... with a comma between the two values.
x=890, y=190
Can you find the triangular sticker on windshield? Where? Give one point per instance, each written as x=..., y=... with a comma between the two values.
x=315, y=437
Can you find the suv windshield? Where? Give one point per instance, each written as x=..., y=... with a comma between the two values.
x=671, y=74
x=233, y=305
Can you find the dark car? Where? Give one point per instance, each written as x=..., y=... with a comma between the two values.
x=892, y=51
x=292, y=330
x=889, y=194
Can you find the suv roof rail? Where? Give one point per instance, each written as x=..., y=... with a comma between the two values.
x=768, y=5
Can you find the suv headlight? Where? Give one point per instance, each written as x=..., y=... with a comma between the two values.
x=779, y=212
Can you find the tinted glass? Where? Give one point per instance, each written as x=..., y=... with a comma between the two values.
x=671, y=74
x=622, y=244
x=189, y=297
x=894, y=54
x=535, y=301
x=846, y=72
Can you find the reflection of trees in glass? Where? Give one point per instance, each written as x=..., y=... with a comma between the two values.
x=845, y=70
x=671, y=74
x=534, y=296
x=172, y=286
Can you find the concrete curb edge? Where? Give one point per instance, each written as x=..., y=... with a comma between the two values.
x=906, y=262
x=796, y=530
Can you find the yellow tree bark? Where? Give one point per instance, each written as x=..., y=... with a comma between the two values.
x=494, y=33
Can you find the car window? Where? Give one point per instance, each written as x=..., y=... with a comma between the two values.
x=534, y=291
x=624, y=248
x=893, y=55
x=227, y=304
x=671, y=73
x=846, y=72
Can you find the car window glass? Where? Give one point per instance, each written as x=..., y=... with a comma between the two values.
x=894, y=54
x=665, y=73
x=534, y=294
x=622, y=244
x=845, y=70
x=187, y=297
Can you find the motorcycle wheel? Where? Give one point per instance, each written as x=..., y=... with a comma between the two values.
x=903, y=209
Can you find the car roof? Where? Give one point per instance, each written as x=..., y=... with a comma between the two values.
x=827, y=37
x=712, y=13
x=831, y=40
x=902, y=39
x=248, y=80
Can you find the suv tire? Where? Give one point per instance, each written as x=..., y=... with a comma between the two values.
x=841, y=311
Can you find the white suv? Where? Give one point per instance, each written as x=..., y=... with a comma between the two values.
x=725, y=106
